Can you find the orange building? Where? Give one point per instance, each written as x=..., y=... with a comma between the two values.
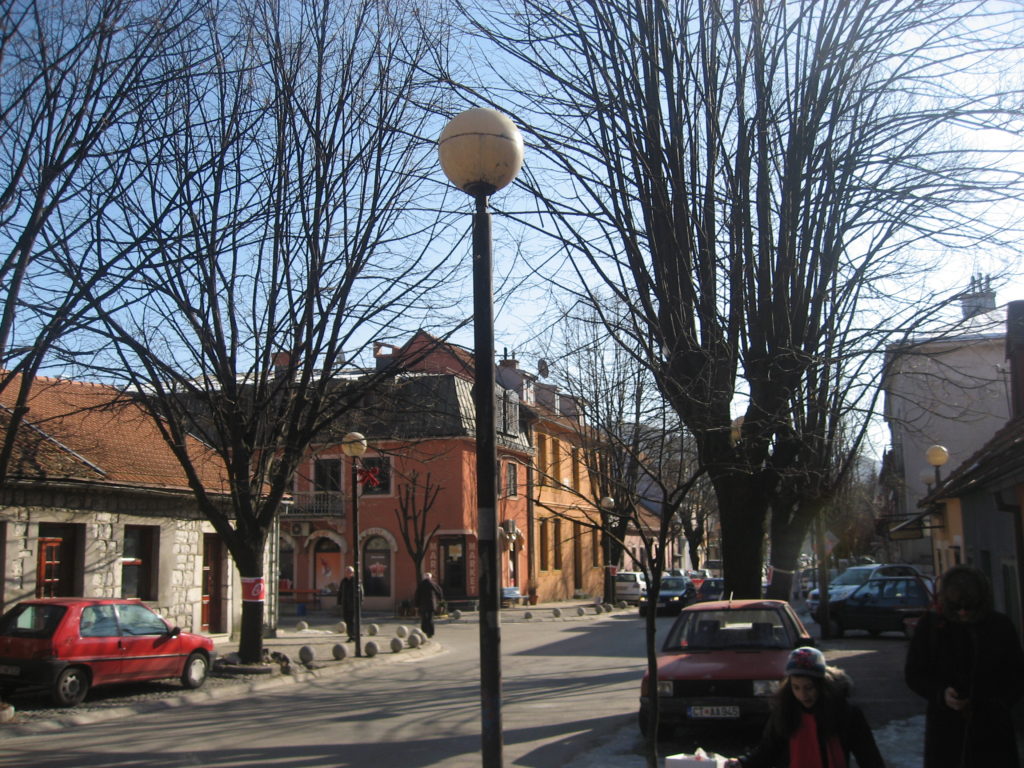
x=567, y=560
x=417, y=488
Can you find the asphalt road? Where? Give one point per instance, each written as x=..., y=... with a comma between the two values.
x=569, y=686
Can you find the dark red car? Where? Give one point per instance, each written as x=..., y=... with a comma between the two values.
x=722, y=661
x=66, y=645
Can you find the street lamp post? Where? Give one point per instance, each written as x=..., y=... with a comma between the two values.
x=481, y=151
x=354, y=446
x=607, y=504
x=937, y=456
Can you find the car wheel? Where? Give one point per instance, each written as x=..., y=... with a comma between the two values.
x=70, y=687
x=642, y=722
x=194, y=674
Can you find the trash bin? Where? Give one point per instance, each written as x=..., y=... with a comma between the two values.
x=300, y=609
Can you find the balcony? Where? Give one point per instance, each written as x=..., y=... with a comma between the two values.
x=317, y=504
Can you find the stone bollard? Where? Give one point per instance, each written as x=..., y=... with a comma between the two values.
x=306, y=654
x=371, y=648
x=556, y=612
x=528, y=615
x=581, y=611
x=301, y=626
x=402, y=631
x=339, y=651
x=342, y=628
x=607, y=607
x=396, y=644
x=6, y=713
x=622, y=604
x=456, y=615
x=373, y=630
x=414, y=640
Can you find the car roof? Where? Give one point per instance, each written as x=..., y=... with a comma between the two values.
x=80, y=600
x=735, y=605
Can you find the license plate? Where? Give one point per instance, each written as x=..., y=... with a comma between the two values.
x=6, y=669
x=718, y=713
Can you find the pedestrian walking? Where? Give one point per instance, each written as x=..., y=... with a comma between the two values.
x=966, y=660
x=813, y=724
x=428, y=600
x=347, y=601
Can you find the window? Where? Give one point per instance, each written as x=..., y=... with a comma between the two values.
x=327, y=475
x=375, y=476
x=511, y=479
x=576, y=469
x=542, y=459
x=139, y=620
x=326, y=496
x=545, y=544
x=98, y=621
x=554, y=468
x=557, y=559
x=139, y=561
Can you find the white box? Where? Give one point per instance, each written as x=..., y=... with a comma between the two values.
x=700, y=759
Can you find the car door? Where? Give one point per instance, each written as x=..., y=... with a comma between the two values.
x=861, y=608
x=148, y=649
x=98, y=644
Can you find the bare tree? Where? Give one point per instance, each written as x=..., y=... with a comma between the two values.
x=415, y=500
x=750, y=181
x=73, y=80
x=281, y=224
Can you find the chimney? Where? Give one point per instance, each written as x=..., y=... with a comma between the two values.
x=281, y=361
x=979, y=298
x=384, y=354
x=1015, y=354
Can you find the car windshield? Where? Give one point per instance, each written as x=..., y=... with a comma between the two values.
x=852, y=577
x=627, y=578
x=673, y=585
x=755, y=628
x=31, y=620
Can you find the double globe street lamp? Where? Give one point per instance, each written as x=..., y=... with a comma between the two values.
x=481, y=151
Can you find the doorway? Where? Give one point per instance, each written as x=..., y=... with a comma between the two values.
x=452, y=577
x=58, y=560
x=212, y=618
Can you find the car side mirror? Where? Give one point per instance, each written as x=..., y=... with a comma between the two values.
x=175, y=631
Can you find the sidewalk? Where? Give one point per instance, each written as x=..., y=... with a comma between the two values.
x=318, y=631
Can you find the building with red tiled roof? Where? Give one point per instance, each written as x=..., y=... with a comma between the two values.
x=94, y=503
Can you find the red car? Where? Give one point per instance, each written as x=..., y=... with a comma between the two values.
x=66, y=645
x=722, y=661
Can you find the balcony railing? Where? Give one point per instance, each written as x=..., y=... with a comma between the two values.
x=317, y=504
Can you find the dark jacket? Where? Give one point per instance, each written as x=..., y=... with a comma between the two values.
x=347, y=594
x=428, y=596
x=853, y=730
x=984, y=662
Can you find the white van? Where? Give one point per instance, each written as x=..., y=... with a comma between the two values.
x=629, y=586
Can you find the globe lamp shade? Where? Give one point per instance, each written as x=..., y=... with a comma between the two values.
x=353, y=444
x=937, y=455
x=481, y=151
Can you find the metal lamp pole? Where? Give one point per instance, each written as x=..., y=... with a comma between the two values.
x=354, y=446
x=481, y=151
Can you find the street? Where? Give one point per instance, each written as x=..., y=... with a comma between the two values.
x=570, y=690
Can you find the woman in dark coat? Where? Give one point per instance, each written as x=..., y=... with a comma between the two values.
x=966, y=661
x=813, y=723
x=428, y=600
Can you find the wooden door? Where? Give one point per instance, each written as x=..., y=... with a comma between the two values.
x=212, y=619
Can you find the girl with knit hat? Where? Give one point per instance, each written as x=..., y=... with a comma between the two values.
x=813, y=724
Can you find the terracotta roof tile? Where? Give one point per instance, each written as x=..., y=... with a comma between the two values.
x=93, y=431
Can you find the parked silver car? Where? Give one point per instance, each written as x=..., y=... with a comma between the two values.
x=630, y=586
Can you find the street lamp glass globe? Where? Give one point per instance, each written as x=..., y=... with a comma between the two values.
x=481, y=151
x=353, y=444
x=937, y=455
x=607, y=503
